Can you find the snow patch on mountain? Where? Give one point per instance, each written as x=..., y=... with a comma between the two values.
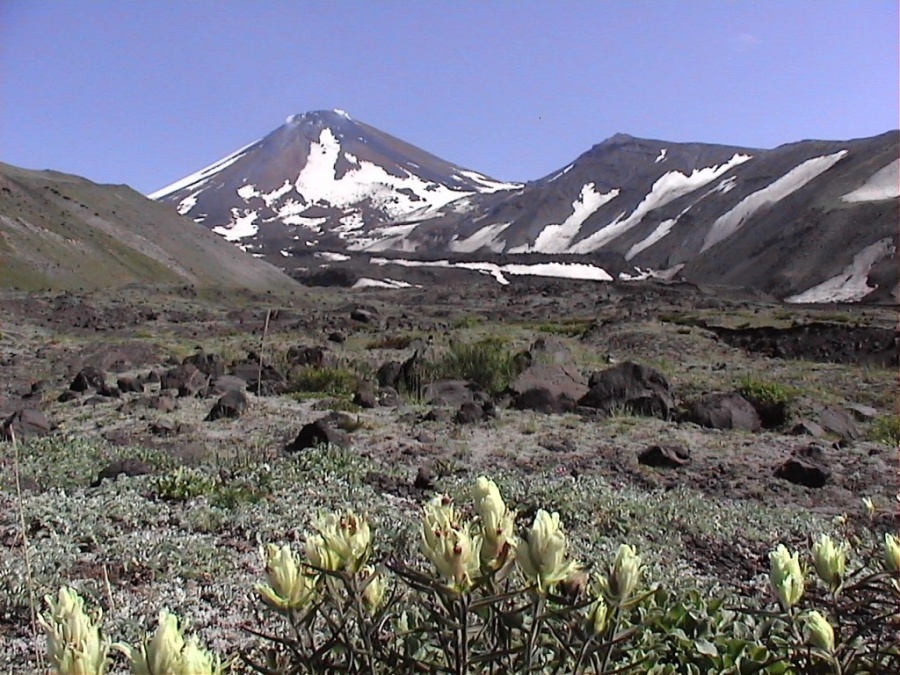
x=397, y=196
x=661, y=157
x=557, y=238
x=243, y=225
x=851, y=285
x=883, y=184
x=730, y=222
x=485, y=237
x=486, y=184
x=365, y=282
x=669, y=187
x=187, y=203
x=560, y=174
x=198, y=178
x=498, y=272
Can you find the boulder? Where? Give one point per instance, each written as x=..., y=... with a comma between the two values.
x=364, y=315
x=452, y=393
x=212, y=365
x=267, y=382
x=388, y=374
x=550, y=349
x=188, y=380
x=472, y=412
x=24, y=424
x=319, y=432
x=665, y=456
x=232, y=404
x=835, y=420
x=122, y=467
x=225, y=383
x=631, y=387
x=307, y=356
x=548, y=388
x=365, y=395
x=88, y=378
x=806, y=466
x=128, y=384
x=724, y=411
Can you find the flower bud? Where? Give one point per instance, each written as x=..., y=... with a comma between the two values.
x=819, y=632
x=599, y=615
x=785, y=576
x=287, y=588
x=830, y=561
x=870, y=507
x=542, y=553
x=625, y=575
x=320, y=555
x=168, y=653
x=497, y=523
x=892, y=552
x=373, y=594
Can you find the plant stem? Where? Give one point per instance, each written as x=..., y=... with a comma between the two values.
x=537, y=609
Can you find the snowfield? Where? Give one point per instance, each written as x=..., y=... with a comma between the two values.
x=884, y=184
x=852, y=284
x=558, y=238
x=730, y=222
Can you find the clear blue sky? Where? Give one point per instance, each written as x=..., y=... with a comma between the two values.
x=145, y=92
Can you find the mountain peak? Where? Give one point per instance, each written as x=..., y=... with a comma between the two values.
x=320, y=116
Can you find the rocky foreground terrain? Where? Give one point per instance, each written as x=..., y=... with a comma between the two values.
x=164, y=433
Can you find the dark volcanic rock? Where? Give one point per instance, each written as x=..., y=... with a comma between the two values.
x=88, y=378
x=452, y=393
x=122, y=467
x=724, y=411
x=548, y=388
x=472, y=413
x=837, y=421
x=212, y=365
x=364, y=315
x=187, y=379
x=806, y=466
x=665, y=456
x=365, y=395
x=388, y=374
x=632, y=387
x=25, y=424
x=266, y=382
x=319, y=432
x=226, y=383
x=307, y=356
x=231, y=405
x=128, y=384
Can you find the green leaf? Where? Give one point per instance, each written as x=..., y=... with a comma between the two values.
x=706, y=647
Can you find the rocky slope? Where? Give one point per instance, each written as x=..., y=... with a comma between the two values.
x=62, y=231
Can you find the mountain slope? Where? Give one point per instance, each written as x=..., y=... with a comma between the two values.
x=809, y=221
x=62, y=231
x=321, y=179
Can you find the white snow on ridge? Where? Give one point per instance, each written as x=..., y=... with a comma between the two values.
x=318, y=183
x=246, y=192
x=330, y=256
x=365, y=282
x=663, y=229
x=851, y=285
x=202, y=175
x=730, y=222
x=560, y=174
x=662, y=156
x=558, y=238
x=243, y=225
x=553, y=269
x=187, y=203
x=485, y=237
x=669, y=187
x=488, y=185
x=883, y=184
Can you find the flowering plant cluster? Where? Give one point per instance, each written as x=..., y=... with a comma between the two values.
x=489, y=598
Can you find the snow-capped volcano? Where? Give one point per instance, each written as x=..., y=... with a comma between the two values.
x=322, y=179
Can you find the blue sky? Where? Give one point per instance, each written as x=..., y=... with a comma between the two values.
x=146, y=92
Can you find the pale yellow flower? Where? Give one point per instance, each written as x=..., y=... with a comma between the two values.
x=599, y=615
x=819, y=632
x=870, y=507
x=288, y=587
x=625, y=574
x=74, y=644
x=785, y=576
x=892, y=552
x=497, y=523
x=348, y=537
x=448, y=545
x=543, y=554
x=373, y=594
x=830, y=561
x=168, y=653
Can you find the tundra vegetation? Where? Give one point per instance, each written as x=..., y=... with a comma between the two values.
x=540, y=534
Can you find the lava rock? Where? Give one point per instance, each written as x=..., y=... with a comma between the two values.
x=319, y=432
x=631, y=387
x=24, y=424
x=665, y=456
x=88, y=378
x=122, y=467
x=724, y=411
x=231, y=405
x=548, y=388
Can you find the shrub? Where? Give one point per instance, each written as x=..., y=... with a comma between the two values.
x=886, y=430
x=489, y=363
x=333, y=380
